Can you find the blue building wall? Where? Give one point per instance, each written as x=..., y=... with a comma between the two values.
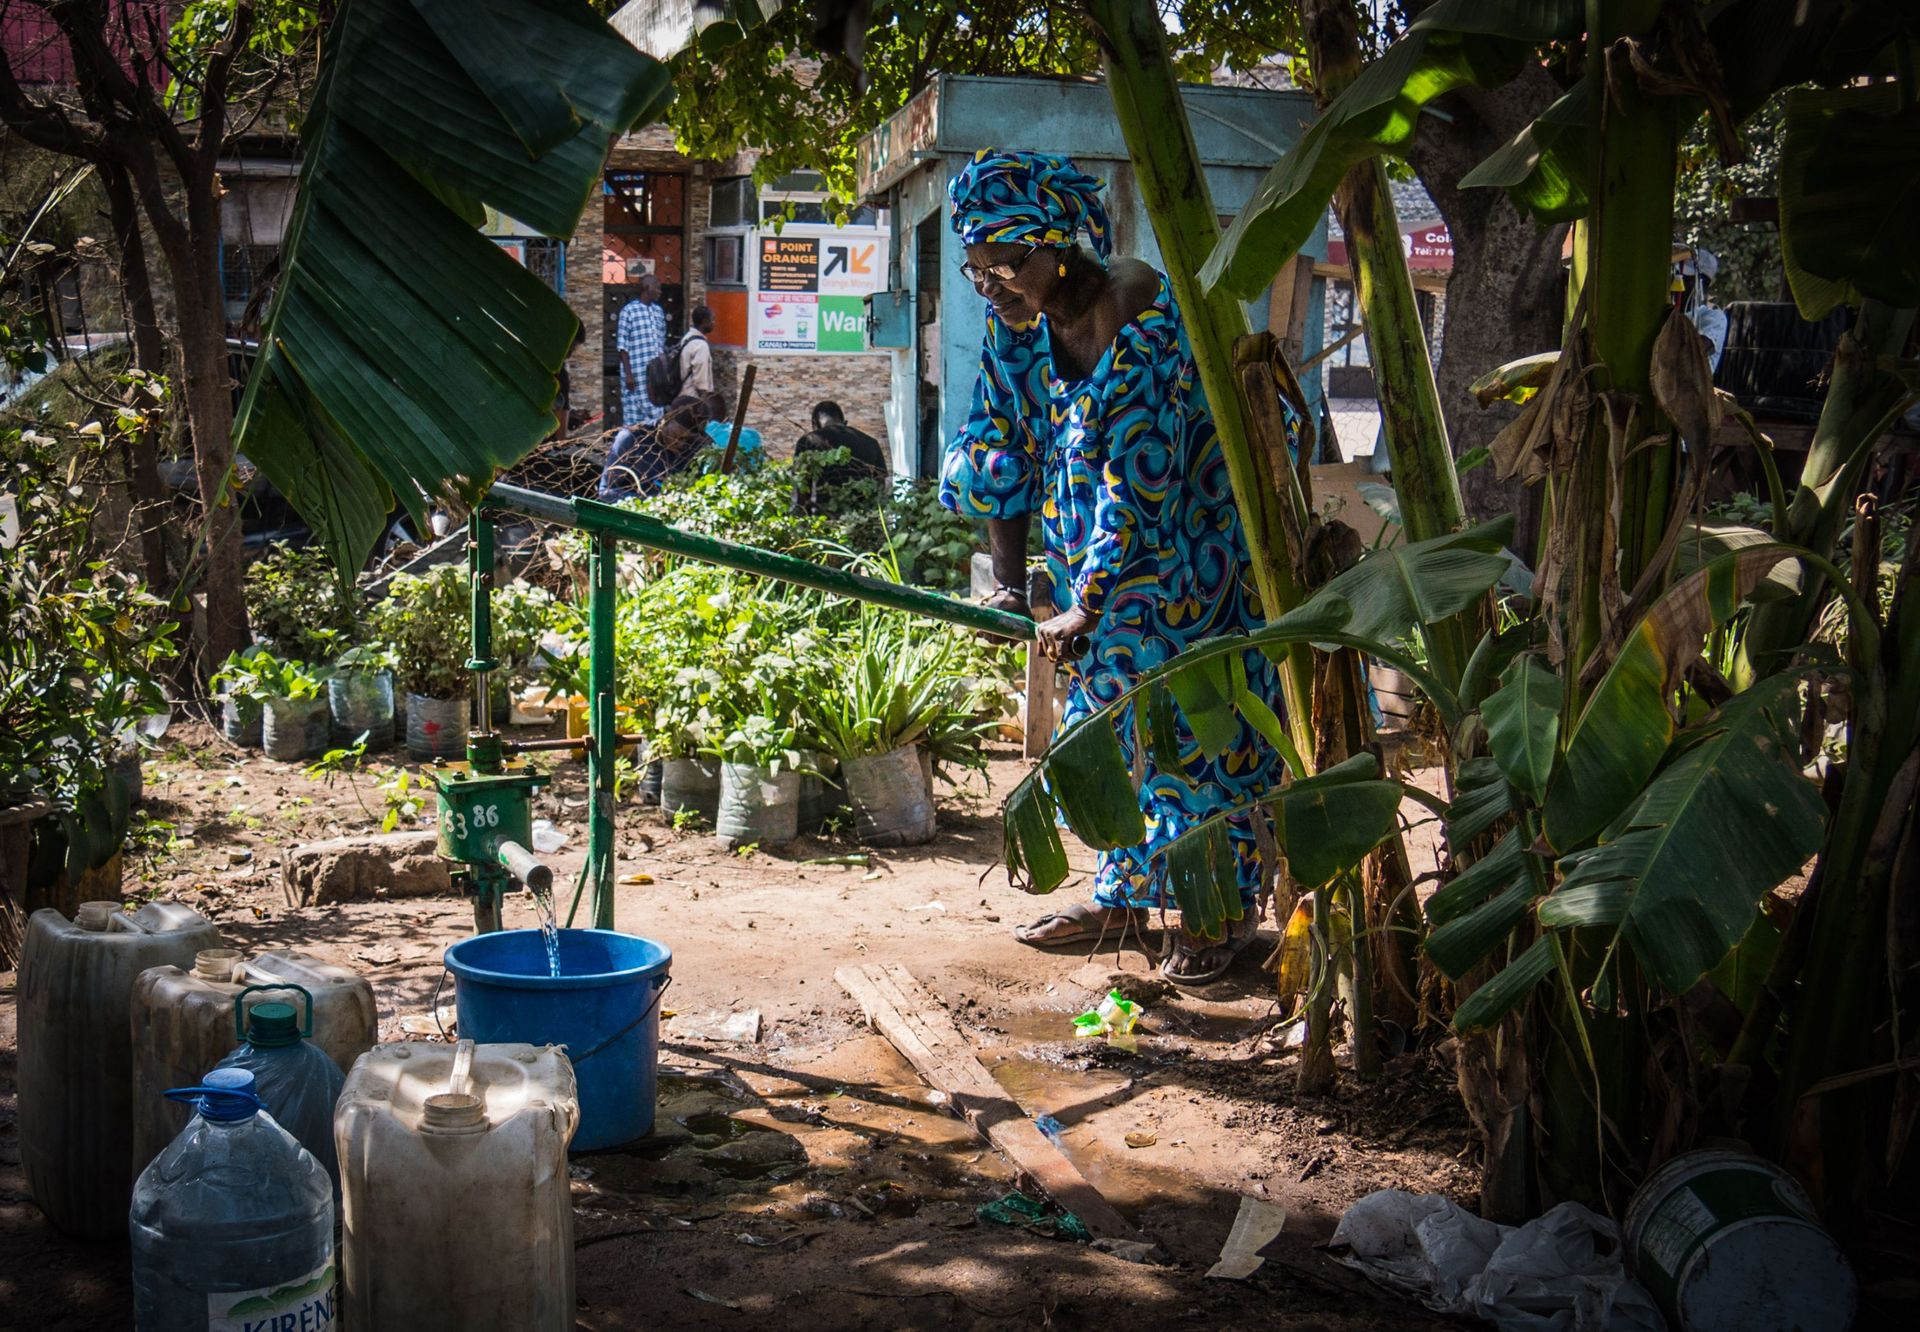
x=1240, y=133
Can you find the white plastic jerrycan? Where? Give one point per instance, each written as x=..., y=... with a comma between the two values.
x=439, y=1146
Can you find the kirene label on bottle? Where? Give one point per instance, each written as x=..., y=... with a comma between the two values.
x=305, y=1305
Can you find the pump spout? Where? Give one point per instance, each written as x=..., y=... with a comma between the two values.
x=519, y=862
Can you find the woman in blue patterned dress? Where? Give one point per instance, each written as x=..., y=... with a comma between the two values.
x=1089, y=412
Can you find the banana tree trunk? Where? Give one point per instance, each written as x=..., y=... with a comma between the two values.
x=1628, y=265
x=1610, y=513
x=1831, y=1122
x=1414, y=427
x=1173, y=186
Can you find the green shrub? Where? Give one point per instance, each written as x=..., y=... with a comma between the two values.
x=81, y=643
x=522, y=615
x=426, y=619
x=298, y=605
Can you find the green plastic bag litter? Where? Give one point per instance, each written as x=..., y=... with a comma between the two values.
x=1017, y=1209
x=1115, y=1019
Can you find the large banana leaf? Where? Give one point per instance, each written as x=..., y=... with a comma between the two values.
x=405, y=355
x=1850, y=197
x=1680, y=876
x=1086, y=759
x=1706, y=541
x=1451, y=44
x=1085, y=776
x=1482, y=797
x=1523, y=724
x=1323, y=825
x=1423, y=583
x=1628, y=722
x=1514, y=982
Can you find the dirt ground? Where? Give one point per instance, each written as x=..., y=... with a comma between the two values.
x=810, y=1177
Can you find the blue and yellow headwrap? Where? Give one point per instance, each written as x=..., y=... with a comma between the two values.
x=1030, y=198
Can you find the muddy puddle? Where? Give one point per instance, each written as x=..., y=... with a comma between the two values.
x=1166, y=1026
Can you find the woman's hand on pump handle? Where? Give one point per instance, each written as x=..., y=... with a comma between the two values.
x=1064, y=637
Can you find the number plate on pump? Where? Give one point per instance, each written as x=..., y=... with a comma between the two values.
x=477, y=814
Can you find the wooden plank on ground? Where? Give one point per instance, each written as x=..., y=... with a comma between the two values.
x=919, y=1026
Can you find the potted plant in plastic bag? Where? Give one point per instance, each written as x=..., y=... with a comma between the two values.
x=242, y=693
x=672, y=659
x=426, y=619
x=293, y=723
x=900, y=700
x=759, y=784
x=360, y=696
x=682, y=734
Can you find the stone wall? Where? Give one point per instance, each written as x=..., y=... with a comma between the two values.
x=583, y=294
x=786, y=387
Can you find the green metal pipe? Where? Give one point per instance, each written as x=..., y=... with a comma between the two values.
x=601, y=683
x=480, y=585
x=641, y=529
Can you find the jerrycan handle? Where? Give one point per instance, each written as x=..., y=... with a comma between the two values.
x=460, y=1081
x=240, y=1013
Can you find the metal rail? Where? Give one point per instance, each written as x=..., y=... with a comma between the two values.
x=641, y=529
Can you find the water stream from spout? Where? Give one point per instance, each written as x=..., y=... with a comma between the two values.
x=549, y=930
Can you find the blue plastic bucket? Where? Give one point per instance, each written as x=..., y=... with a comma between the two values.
x=604, y=1007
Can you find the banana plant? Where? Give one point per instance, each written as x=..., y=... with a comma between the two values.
x=1666, y=834
x=1195, y=702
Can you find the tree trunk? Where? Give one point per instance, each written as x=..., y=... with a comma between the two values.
x=192, y=251
x=1505, y=294
x=149, y=354
x=209, y=399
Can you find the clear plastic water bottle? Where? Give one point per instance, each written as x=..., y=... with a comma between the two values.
x=296, y=1081
x=232, y=1224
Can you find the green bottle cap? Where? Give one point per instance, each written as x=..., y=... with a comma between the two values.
x=272, y=1025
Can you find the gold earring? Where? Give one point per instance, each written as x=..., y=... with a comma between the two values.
x=1063, y=268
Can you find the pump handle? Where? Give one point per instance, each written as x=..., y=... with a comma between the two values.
x=1040, y=604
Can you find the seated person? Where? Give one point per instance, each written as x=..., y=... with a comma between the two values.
x=643, y=457
x=831, y=431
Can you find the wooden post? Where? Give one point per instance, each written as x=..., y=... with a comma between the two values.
x=739, y=418
x=1043, y=676
x=1287, y=307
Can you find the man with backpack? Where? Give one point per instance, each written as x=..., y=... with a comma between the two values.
x=685, y=369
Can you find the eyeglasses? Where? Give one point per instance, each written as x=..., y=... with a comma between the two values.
x=998, y=272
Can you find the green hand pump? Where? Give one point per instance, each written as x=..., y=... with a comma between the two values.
x=486, y=802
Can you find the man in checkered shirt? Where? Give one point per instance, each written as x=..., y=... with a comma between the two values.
x=641, y=335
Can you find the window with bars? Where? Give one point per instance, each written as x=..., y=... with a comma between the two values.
x=541, y=256
x=726, y=260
